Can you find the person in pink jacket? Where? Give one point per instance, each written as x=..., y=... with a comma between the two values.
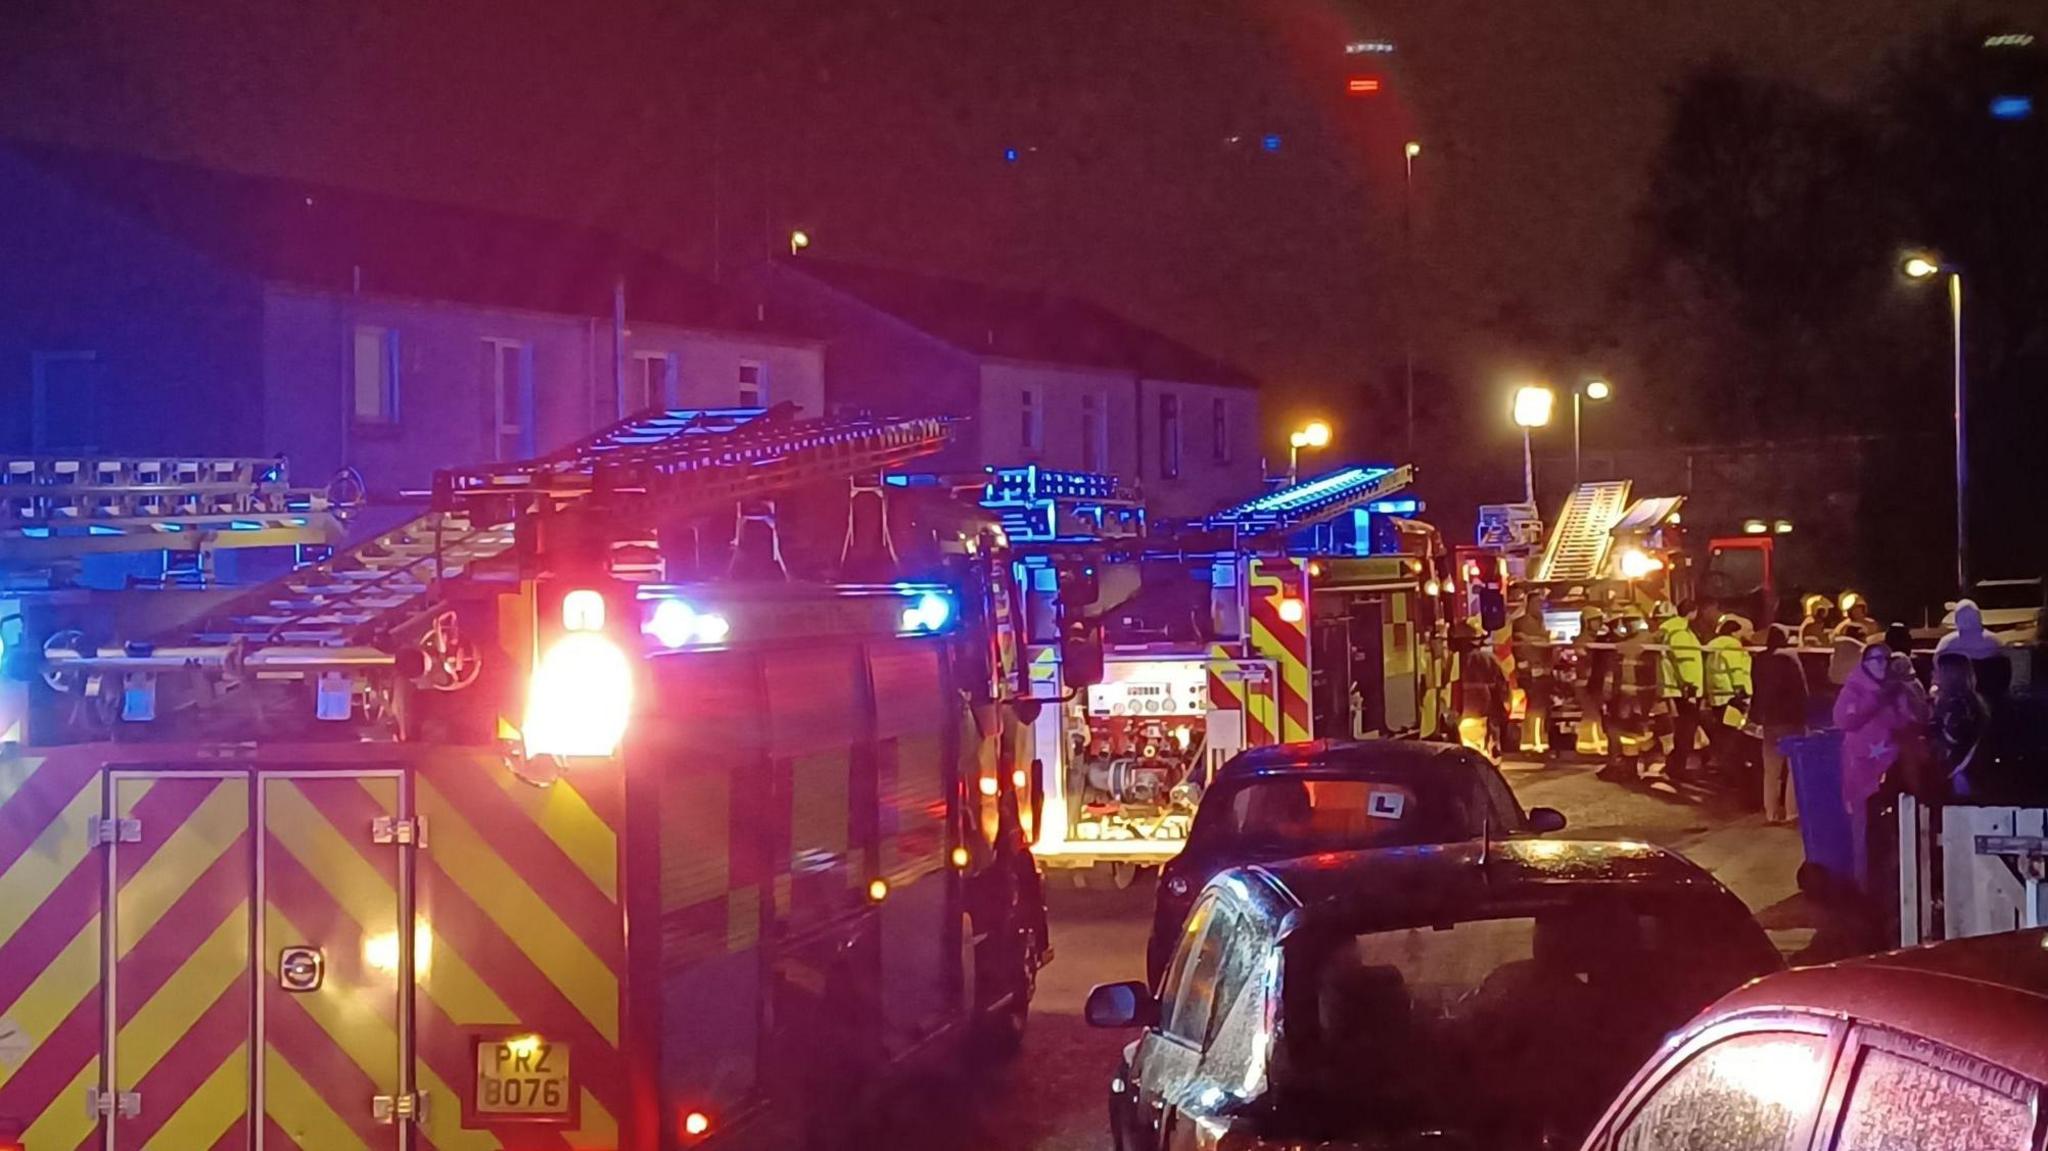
x=1882, y=713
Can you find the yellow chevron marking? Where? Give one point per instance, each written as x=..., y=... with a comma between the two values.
x=565, y=817
x=57, y=989
x=459, y=991
x=214, y=826
x=214, y=966
x=205, y=1115
x=55, y=853
x=61, y=1124
x=300, y=1111
x=523, y=916
x=348, y=1015
x=444, y=1124
x=600, y=1132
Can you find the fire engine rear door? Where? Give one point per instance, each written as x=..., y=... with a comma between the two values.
x=331, y=1028
x=178, y=1003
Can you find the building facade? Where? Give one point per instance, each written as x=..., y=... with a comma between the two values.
x=1042, y=379
x=165, y=309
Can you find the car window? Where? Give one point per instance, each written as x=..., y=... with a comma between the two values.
x=1306, y=815
x=1191, y=933
x=1190, y=996
x=1235, y=1051
x=1751, y=1092
x=1912, y=1093
x=1505, y=811
x=1525, y=1018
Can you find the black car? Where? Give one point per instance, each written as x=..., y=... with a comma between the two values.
x=1483, y=995
x=1292, y=799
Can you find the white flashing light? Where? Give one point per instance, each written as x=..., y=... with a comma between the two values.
x=580, y=699
x=583, y=610
x=930, y=613
x=1636, y=563
x=675, y=624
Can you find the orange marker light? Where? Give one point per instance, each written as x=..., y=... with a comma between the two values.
x=696, y=1123
x=878, y=890
x=1292, y=610
x=959, y=857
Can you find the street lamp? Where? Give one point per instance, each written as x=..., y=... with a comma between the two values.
x=1532, y=410
x=1409, y=151
x=1595, y=390
x=1926, y=266
x=798, y=241
x=1314, y=434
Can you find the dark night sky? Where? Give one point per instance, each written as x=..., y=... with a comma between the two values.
x=880, y=126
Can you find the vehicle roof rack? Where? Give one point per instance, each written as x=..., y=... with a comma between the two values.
x=1297, y=507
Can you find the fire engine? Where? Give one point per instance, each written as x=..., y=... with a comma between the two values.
x=1299, y=613
x=598, y=806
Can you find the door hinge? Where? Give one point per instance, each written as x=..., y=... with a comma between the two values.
x=99, y=830
x=103, y=1104
x=411, y=1108
x=389, y=829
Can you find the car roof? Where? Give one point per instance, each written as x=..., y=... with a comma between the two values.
x=1394, y=881
x=1369, y=757
x=1986, y=996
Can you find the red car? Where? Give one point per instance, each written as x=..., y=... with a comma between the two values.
x=1938, y=1047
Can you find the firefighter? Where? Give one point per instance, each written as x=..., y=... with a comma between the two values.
x=1482, y=691
x=1728, y=690
x=1681, y=684
x=1533, y=664
x=1631, y=699
x=1594, y=646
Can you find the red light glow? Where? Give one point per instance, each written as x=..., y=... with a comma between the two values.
x=1362, y=85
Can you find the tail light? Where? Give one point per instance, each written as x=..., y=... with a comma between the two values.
x=582, y=690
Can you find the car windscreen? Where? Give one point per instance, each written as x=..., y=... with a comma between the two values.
x=1296, y=815
x=1516, y=1026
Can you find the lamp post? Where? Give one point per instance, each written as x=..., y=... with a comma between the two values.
x=1409, y=151
x=1533, y=403
x=798, y=241
x=1596, y=391
x=1314, y=434
x=1926, y=266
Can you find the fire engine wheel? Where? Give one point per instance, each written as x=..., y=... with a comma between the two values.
x=1005, y=979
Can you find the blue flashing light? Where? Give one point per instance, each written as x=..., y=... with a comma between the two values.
x=1009, y=155
x=103, y=530
x=931, y=612
x=244, y=526
x=172, y=527
x=2012, y=107
x=1394, y=507
x=36, y=533
x=896, y=480
x=1271, y=143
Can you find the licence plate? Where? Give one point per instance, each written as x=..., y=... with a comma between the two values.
x=522, y=1075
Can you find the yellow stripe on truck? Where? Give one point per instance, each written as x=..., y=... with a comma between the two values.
x=565, y=817
x=299, y=1109
x=205, y=1115
x=154, y=1031
x=58, y=988
x=523, y=916
x=54, y=853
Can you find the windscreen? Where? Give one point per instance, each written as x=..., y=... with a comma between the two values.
x=1513, y=1030
x=1299, y=816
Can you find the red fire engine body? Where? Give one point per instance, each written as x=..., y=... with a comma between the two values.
x=513, y=828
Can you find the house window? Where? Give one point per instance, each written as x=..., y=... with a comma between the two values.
x=1094, y=434
x=1169, y=436
x=65, y=401
x=508, y=389
x=753, y=384
x=652, y=384
x=376, y=375
x=1219, y=431
x=1030, y=420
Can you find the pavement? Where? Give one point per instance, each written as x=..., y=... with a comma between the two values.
x=1053, y=1097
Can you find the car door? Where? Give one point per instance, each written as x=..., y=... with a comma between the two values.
x=1750, y=1084
x=1898, y=1090
x=1166, y=1060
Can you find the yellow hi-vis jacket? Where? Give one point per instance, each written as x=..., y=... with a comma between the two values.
x=1682, y=666
x=1728, y=668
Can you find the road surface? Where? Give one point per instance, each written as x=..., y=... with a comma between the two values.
x=1053, y=1098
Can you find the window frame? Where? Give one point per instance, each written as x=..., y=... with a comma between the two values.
x=1170, y=437
x=1031, y=419
x=521, y=396
x=388, y=350
x=759, y=384
x=1861, y=1037
x=663, y=394
x=39, y=361
x=1094, y=432
x=1219, y=431
x=1673, y=1059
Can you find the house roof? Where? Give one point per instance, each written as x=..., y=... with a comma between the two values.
x=322, y=237
x=1022, y=324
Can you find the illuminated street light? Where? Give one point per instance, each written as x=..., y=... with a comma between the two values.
x=1532, y=410
x=1922, y=266
x=1314, y=434
x=798, y=241
x=1412, y=149
x=1595, y=390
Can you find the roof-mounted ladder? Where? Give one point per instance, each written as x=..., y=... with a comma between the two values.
x=1578, y=546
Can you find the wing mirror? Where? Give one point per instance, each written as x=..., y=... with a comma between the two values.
x=1544, y=820
x=1121, y=1005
